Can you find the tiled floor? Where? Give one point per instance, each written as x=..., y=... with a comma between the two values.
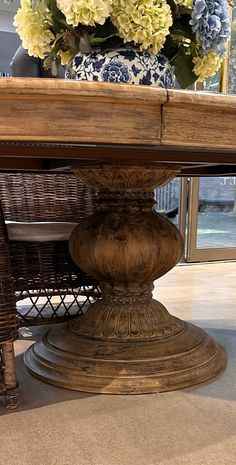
x=195, y=426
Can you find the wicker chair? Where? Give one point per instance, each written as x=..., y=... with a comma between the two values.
x=8, y=324
x=42, y=272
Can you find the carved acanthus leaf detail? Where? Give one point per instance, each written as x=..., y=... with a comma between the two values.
x=121, y=321
x=125, y=177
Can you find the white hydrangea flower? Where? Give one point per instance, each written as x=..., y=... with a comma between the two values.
x=33, y=28
x=87, y=12
x=144, y=22
x=206, y=65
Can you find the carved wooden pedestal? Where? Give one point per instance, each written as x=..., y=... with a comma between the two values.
x=127, y=342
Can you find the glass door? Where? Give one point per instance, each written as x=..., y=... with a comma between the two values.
x=172, y=201
x=211, y=231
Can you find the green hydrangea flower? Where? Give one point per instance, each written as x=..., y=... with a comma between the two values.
x=144, y=22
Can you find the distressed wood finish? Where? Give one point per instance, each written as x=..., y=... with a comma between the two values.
x=68, y=111
x=126, y=342
x=199, y=120
x=55, y=123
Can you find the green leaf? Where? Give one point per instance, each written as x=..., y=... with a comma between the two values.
x=58, y=18
x=72, y=41
x=182, y=62
x=183, y=68
x=84, y=44
x=52, y=61
x=174, y=8
x=35, y=4
x=111, y=43
x=181, y=26
x=105, y=30
x=54, y=52
x=170, y=49
x=54, y=68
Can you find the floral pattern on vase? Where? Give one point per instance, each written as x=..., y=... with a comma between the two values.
x=125, y=66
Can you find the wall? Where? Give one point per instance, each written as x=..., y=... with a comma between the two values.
x=9, y=40
x=223, y=188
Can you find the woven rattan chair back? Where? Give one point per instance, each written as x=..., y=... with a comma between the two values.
x=44, y=273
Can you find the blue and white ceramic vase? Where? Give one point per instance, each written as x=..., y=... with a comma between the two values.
x=127, y=66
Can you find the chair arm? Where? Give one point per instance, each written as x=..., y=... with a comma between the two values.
x=8, y=319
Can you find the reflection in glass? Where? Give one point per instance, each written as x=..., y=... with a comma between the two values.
x=217, y=213
x=212, y=84
x=167, y=199
x=232, y=58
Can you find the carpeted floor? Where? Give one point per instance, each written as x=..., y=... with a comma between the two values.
x=195, y=426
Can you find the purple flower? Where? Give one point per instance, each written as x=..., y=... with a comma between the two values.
x=210, y=21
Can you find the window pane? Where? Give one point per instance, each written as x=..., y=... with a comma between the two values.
x=217, y=213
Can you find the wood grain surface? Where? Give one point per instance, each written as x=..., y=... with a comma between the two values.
x=59, y=123
x=199, y=119
x=69, y=111
x=126, y=342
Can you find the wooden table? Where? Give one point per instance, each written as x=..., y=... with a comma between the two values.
x=125, y=141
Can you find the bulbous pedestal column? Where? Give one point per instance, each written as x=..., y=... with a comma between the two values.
x=127, y=342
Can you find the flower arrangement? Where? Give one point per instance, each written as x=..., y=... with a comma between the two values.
x=192, y=34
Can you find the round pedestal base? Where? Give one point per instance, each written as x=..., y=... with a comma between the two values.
x=66, y=359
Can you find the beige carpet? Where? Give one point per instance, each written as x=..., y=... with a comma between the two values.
x=195, y=426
